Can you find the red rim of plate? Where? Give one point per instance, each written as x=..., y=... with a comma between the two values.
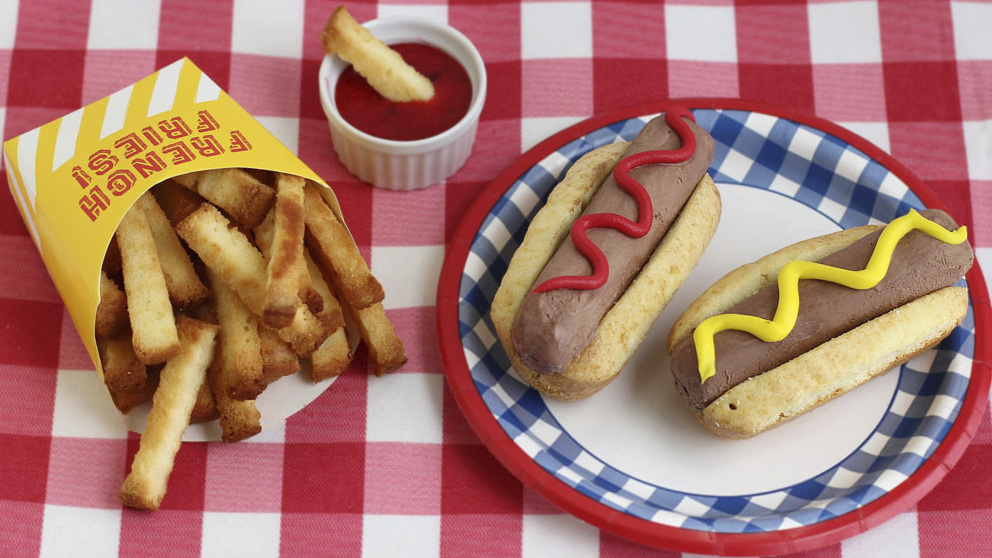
x=663, y=536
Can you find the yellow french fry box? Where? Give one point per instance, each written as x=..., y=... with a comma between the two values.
x=74, y=178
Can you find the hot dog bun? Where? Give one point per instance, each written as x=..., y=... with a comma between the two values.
x=829, y=369
x=626, y=324
x=837, y=366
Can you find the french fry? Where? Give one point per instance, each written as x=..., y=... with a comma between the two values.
x=384, y=346
x=332, y=357
x=239, y=375
x=126, y=401
x=184, y=285
x=176, y=200
x=238, y=419
x=153, y=325
x=122, y=371
x=383, y=67
x=333, y=248
x=331, y=314
x=285, y=253
x=111, y=313
x=179, y=382
x=205, y=407
x=230, y=255
x=264, y=233
x=278, y=357
x=112, y=259
x=235, y=191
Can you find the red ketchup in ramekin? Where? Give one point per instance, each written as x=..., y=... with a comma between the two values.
x=365, y=109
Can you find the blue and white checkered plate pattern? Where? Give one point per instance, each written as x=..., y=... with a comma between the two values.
x=757, y=151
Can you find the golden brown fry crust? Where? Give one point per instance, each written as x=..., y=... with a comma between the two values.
x=278, y=357
x=152, y=322
x=285, y=267
x=235, y=191
x=240, y=373
x=179, y=382
x=122, y=371
x=111, y=313
x=229, y=254
x=385, y=348
x=184, y=285
x=332, y=247
x=332, y=357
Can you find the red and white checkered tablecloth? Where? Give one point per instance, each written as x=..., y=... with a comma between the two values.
x=388, y=466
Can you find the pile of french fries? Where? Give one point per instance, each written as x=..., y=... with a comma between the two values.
x=218, y=283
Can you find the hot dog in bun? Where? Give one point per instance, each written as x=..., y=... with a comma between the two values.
x=775, y=338
x=616, y=238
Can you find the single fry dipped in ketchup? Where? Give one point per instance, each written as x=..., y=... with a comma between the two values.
x=383, y=67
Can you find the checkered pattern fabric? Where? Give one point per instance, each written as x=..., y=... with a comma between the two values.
x=388, y=466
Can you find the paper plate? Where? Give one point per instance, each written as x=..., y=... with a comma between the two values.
x=633, y=459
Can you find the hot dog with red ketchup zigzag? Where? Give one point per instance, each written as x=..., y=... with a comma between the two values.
x=617, y=236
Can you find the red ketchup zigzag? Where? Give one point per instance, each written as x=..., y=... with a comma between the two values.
x=621, y=173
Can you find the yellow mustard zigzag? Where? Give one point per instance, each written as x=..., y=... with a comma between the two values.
x=781, y=325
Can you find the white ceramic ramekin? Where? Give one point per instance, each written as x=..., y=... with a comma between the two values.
x=407, y=165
